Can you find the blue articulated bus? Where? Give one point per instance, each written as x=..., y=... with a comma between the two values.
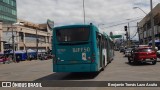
x=80, y=48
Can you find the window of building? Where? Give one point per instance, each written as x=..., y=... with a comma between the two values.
x=12, y=3
x=21, y=36
x=13, y=12
x=8, y=9
x=30, y=38
x=0, y=7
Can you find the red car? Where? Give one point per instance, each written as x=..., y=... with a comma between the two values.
x=4, y=60
x=143, y=54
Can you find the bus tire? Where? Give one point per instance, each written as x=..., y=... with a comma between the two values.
x=109, y=60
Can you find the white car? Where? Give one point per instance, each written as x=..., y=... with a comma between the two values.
x=128, y=52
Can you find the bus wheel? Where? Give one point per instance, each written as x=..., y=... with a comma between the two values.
x=109, y=60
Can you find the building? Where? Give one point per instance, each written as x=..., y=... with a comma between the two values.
x=8, y=11
x=1, y=43
x=8, y=15
x=144, y=26
x=27, y=35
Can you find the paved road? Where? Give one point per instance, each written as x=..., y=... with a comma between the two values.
x=118, y=70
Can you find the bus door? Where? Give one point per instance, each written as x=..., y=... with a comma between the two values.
x=105, y=51
x=99, y=45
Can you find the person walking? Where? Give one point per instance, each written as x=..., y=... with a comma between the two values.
x=18, y=59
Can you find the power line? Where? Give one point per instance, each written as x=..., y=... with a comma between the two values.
x=122, y=23
x=134, y=35
x=140, y=17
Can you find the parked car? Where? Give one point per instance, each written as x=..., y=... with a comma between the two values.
x=43, y=57
x=116, y=49
x=122, y=49
x=143, y=54
x=5, y=60
x=128, y=52
x=158, y=54
x=50, y=56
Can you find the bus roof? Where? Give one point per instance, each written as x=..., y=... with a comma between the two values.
x=86, y=25
x=73, y=26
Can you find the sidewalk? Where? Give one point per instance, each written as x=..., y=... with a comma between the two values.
x=26, y=61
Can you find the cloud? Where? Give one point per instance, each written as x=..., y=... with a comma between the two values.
x=65, y=12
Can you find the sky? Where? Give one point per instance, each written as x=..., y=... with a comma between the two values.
x=108, y=15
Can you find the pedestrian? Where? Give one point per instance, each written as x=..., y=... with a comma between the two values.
x=30, y=57
x=18, y=59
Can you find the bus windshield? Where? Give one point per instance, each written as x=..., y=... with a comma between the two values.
x=72, y=34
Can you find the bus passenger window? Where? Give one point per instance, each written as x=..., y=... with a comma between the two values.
x=98, y=40
x=65, y=38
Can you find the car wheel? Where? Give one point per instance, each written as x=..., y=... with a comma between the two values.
x=154, y=62
x=135, y=61
x=129, y=61
x=4, y=62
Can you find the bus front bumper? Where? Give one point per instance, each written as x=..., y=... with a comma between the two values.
x=75, y=68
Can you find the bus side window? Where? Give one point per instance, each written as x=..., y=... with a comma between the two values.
x=98, y=39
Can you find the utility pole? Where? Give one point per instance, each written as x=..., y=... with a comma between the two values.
x=138, y=29
x=123, y=41
x=84, y=12
x=37, y=41
x=13, y=45
x=152, y=26
x=129, y=40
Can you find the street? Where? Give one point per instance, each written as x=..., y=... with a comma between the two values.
x=82, y=44
x=118, y=70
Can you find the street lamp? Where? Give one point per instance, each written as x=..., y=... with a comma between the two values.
x=140, y=9
x=152, y=23
x=137, y=22
x=37, y=41
x=13, y=42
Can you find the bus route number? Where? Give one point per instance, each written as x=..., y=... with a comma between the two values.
x=85, y=49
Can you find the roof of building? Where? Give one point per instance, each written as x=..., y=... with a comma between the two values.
x=42, y=27
x=156, y=12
